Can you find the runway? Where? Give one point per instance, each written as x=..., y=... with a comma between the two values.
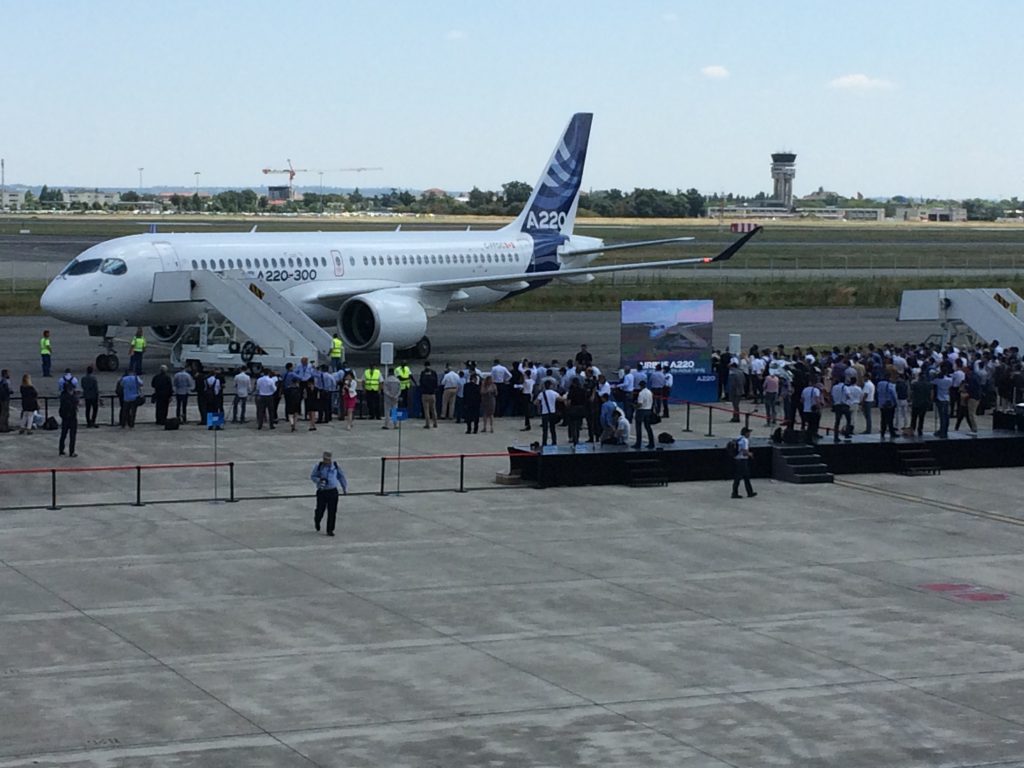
x=483, y=336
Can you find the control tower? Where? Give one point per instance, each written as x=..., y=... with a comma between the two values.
x=783, y=173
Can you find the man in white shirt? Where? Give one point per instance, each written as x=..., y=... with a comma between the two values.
x=527, y=396
x=266, y=388
x=868, y=403
x=644, y=408
x=450, y=387
x=502, y=378
x=854, y=398
x=547, y=406
x=242, y=384
x=625, y=394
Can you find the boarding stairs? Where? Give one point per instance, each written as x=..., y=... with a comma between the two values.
x=992, y=313
x=279, y=331
x=799, y=463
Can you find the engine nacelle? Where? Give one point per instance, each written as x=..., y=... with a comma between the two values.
x=166, y=333
x=366, y=320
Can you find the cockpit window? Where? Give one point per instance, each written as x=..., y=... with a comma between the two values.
x=83, y=267
x=113, y=267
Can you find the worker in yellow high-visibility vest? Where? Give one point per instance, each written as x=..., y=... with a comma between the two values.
x=138, y=346
x=45, y=352
x=404, y=374
x=371, y=386
x=337, y=353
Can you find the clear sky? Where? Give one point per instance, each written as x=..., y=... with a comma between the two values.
x=882, y=98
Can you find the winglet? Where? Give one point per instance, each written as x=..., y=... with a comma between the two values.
x=731, y=250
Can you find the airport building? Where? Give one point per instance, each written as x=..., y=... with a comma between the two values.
x=931, y=213
x=91, y=197
x=12, y=199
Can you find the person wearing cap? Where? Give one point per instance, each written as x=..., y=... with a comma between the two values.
x=741, y=465
x=328, y=477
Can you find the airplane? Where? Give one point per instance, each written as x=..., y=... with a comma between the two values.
x=374, y=286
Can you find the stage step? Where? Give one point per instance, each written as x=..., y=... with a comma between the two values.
x=917, y=459
x=512, y=477
x=645, y=472
x=799, y=464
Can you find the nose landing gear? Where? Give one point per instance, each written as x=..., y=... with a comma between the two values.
x=107, y=361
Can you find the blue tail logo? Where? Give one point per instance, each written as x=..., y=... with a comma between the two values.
x=552, y=206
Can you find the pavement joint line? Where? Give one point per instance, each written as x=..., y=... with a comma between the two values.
x=944, y=505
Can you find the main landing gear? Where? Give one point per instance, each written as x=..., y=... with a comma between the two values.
x=420, y=350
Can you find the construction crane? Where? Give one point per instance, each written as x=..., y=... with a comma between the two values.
x=291, y=171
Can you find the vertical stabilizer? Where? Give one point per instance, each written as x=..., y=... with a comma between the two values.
x=552, y=206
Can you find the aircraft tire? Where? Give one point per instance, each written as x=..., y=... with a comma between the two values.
x=248, y=351
x=107, y=362
x=421, y=350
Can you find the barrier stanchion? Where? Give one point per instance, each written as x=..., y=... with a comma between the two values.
x=112, y=410
x=746, y=420
x=687, y=427
x=138, y=487
x=383, y=462
x=46, y=407
x=231, y=480
x=462, y=473
x=710, y=431
x=53, y=489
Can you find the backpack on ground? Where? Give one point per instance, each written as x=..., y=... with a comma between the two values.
x=171, y=422
x=50, y=423
x=665, y=437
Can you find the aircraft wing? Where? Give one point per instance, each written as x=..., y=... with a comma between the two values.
x=515, y=281
x=334, y=295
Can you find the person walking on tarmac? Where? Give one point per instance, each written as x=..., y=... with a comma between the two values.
x=138, y=346
x=328, y=477
x=741, y=466
x=46, y=352
x=337, y=352
x=371, y=386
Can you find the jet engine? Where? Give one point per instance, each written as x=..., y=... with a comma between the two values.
x=366, y=320
x=166, y=333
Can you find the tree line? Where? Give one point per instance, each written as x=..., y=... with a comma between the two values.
x=508, y=201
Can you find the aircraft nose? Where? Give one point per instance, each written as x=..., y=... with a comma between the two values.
x=49, y=302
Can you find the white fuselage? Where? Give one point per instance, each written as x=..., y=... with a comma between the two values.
x=112, y=282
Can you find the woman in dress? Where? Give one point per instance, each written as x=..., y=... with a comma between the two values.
x=349, y=398
x=488, y=401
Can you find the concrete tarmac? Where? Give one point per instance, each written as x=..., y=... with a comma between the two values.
x=873, y=622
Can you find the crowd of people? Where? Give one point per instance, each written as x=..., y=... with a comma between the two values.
x=886, y=389
x=899, y=383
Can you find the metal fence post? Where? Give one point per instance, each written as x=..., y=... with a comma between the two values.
x=53, y=489
x=111, y=409
x=138, y=486
x=46, y=407
x=231, y=480
x=687, y=427
x=462, y=473
x=383, y=461
x=710, y=432
x=746, y=420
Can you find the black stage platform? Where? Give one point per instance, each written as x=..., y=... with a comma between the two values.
x=707, y=460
